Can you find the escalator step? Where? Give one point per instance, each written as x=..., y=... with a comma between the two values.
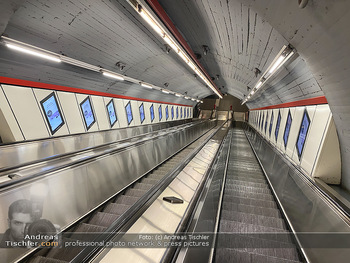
x=253, y=219
x=125, y=200
x=149, y=181
x=244, y=183
x=142, y=186
x=114, y=208
x=40, y=259
x=269, y=212
x=234, y=192
x=64, y=254
x=88, y=228
x=155, y=175
x=235, y=255
x=103, y=219
x=275, y=234
x=248, y=189
x=246, y=179
x=259, y=246
x=135, y=192
x=250, y=201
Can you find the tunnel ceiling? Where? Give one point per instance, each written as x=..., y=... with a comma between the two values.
x=103, y=33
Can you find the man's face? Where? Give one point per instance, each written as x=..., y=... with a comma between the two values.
x=18, y=224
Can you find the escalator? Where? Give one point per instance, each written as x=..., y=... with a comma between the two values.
x=101, y=219
x=251, y=226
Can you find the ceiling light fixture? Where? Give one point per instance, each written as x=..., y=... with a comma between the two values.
x=31, y=50
x=161, y=30
x=283, y=56
x=165, y=91
x=111, y=75
x=145, y=85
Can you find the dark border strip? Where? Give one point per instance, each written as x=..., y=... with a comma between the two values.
x=40, y=85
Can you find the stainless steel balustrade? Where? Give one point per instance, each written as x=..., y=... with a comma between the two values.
x=16, y=154
x=71, y=193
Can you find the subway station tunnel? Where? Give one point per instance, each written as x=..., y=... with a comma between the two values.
x=174, y=131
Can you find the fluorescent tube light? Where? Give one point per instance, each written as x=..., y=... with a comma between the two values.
x=259, y=84
x=178, y=95
x=146, y=85
x=151, y=22
x=276, y=64
x=183, y=57
x=165, y=91
x=33, y=52
x=111, y=75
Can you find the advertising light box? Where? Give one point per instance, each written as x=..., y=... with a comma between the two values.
x=172, y=112
x=52, y=113
x=287, y=129
x=177, y=112
x=151, y=109
x=142, y=113
x=267, y=117
x=181, y=112
x=271, y=122
x=160, y=112
x=278, y=125
x=111, y=113
x=304, y=128
x=166, y=113
x=88, y=113
x=128, y=112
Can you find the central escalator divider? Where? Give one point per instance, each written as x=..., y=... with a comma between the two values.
x=251, y=227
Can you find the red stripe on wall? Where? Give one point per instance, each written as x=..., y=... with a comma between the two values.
x=158, y=9
x=33, y=84
x=305, y=102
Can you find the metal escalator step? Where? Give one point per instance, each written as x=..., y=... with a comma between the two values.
x=224, y=255
x=114, y=208
x=135, y=192
x=276, y=234
x=149, y=181
x=246, y=179
x=253, y=219
x=245, y=173
x=64, y=254
x=40, y=259
x=126, y=200
x=253, y=184
x=264, y=211
x=261, y=196
x=250, y=201
x=249, y=189
x=88, y=228
x=156, y=175
x=142, y=186
x=103, y=219
x=259, y=246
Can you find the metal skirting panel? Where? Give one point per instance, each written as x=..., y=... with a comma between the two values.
x=70, y=193
x=24, y=152
x=307, y=209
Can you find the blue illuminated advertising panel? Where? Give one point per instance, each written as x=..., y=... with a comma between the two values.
x=177, y=112
x=172, y=112
x=287, y=129
x=111, y=113
x=166, y=113
x=267, y=117
x=271, y=122
x=128, y=112
x=142, y=113
x=151, y=109
x=160, y=112
x=52, y=113
x=86, y=109
x=278, y=125
x=304, y=128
